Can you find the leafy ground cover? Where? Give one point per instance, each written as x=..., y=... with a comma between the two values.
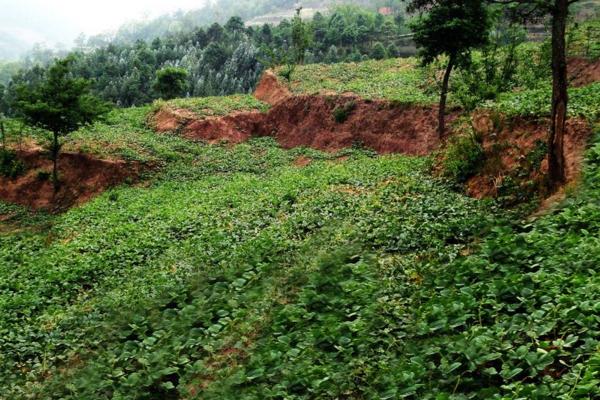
x=232, y=272
x=393, y=79
x=584, y=102
x=216, y=106
x=147, y=289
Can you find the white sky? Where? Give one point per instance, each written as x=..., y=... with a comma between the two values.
x=62, y=20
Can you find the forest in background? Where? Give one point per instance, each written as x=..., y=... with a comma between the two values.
x=219, y=59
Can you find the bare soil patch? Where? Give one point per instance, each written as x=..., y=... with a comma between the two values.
x=583, y=72
x=82, y=177
x=511, y=145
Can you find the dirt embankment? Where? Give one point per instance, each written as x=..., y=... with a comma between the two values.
x=323, y=122
x=270, y=90
x=583, y=72
x=334, y=122
x=327, y=123
x=512, y=147
x=82, y=177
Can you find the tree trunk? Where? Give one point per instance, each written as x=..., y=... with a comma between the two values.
x=443, y=97
x=3, y=133
x=54, y=154
x=556, y=158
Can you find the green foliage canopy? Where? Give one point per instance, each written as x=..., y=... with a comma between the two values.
x=60, y=103
x=171, y=82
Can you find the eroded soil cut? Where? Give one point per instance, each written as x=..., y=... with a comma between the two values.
x=327, y=123
x=82, y=177
x=331, y=123
x=516, y=150
x=583, y=72
x=270, y=90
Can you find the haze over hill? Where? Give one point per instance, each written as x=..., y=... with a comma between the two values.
x=27, y=22
x=60, y=23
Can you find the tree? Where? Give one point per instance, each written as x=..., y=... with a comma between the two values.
x=235, y=24
x=60, y=104
x=215, y=55
x=3, y=105
x=171, y=82
x=378, y=52
x=451, y=28
x=392, y=50
x=559, y=12
x=300, y=39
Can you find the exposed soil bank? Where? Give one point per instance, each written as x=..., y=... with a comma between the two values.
x=270, y=90
x=311, y=121
x=382, y=126
x=232, y=128
x=583, y=72
x=510, y=150
x=82, y=177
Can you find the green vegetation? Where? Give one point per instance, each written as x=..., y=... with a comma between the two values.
x=234, y=274
x=10, y=165
x=171, y=82
x=258, y=221
x=217, y=106
x=463, y=157
x=584, y=39
x=393, y=79
x=341, y=113
x=246, y=272
x=59, y=104
x=584, y=102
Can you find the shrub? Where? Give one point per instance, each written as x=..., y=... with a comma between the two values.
x=463, y=158
x=10, y=165
x=341, y=113
x=43, y=175
x=378, y=52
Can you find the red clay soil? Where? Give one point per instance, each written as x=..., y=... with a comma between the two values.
x=233, y=128
x=379, y=125
x=82, y=177
x=583, y=72
x=168, y=120
x=506, y=149
x=270, y=90
x=309, y=121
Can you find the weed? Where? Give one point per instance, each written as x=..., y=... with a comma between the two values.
x=463, y=157
x=341, y=113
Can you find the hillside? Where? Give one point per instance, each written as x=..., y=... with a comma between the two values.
x=305, y=245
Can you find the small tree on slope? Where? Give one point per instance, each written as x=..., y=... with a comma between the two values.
x=450, y=28
x=60, y=104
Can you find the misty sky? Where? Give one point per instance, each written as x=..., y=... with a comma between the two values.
x=62, y=20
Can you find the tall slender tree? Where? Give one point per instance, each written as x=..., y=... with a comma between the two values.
x=558, y=10
x=450, y=28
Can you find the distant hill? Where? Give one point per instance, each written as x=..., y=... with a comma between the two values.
x=254, y=12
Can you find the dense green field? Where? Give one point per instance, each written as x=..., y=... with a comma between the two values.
x=400, y=80
x=395, y=79
x=237, y=272
x=230, y=272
